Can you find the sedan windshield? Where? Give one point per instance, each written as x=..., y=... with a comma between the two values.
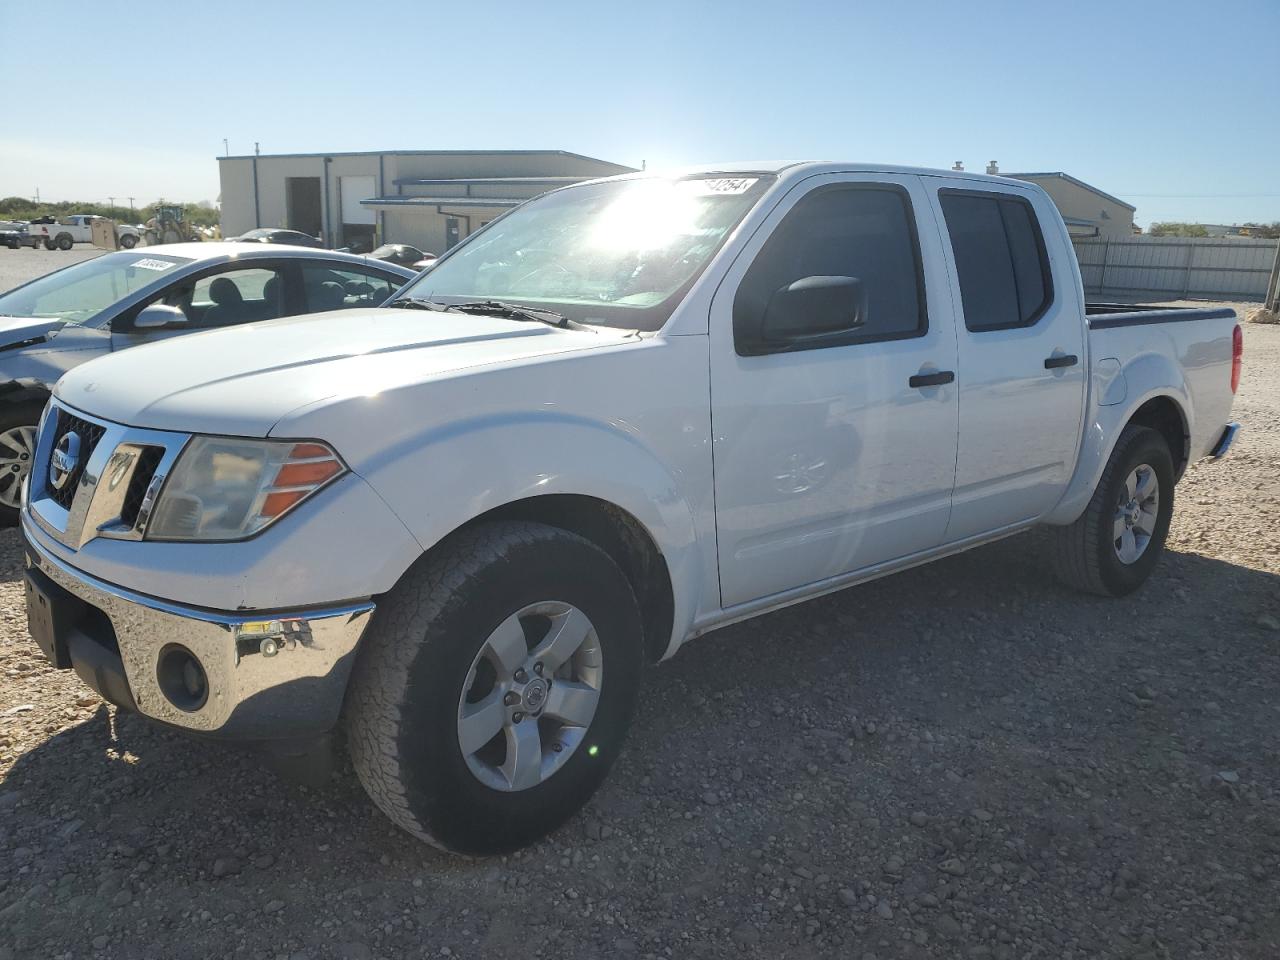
x=79, y=293
x=620, y=253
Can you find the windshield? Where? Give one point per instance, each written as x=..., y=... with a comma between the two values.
x=80, y=292
x=620, y=253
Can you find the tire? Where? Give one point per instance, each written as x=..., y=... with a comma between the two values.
x=48, y=243
x=421, y=663
x=65, y=242
x=128, y=241
x=1086, y=554
x=17, y=426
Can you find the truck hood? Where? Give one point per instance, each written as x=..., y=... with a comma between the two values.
x=243, y=380
x=17, y=330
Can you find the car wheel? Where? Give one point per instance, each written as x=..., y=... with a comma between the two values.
x=495, y=687
x=1116, y=543
x=49, y=244
x=17, y=448
x=128, y=241
x=65, y=242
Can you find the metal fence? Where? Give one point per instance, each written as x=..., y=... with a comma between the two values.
x=1173, y=268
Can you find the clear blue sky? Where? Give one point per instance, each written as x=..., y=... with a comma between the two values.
x=1173, y=105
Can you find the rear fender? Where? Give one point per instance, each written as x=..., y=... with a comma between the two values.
x=1145, y=377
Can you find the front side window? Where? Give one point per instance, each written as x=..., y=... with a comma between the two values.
x=81, y=292
x=619, y=253
x=230, y=298
x=866, y=233
x=1000, y=259
x=328, y=288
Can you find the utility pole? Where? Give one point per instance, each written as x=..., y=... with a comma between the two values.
x=131, y=216
x=112, y=208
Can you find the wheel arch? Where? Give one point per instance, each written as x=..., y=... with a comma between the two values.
x=618, y=533
x=1163, y=410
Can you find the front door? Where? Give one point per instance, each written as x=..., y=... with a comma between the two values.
x=1022, y=355
x=827, y=458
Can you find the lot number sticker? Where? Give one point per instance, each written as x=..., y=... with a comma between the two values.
x=151, y=264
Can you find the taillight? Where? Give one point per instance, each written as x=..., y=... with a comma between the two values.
x=1237, y=356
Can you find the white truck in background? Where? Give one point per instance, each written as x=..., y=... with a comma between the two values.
x=624, y=414
x=64, y=233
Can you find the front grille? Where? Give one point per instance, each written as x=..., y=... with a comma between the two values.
x=89, y=433
x=148, y=460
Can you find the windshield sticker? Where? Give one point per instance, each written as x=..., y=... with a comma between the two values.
x=151, y=264
x=722, y=186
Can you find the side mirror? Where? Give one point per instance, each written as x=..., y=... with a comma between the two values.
x=159, y=316
x=805, y=314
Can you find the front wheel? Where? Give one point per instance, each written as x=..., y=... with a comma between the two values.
x=1116, y=543
x=17, y=448
x=495, y=687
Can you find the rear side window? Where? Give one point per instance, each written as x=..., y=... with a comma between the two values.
x=331, y=288
x=866, y=232
x=1000, y=258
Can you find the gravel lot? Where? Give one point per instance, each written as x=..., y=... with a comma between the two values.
x=19, y=266
x=965, y=760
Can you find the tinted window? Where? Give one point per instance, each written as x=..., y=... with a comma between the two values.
x=1000, y=259
x=863, y=232
x=328, y=288
x=230, y=298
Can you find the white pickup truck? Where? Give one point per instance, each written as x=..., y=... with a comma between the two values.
x=626, y=413
x=78, y=228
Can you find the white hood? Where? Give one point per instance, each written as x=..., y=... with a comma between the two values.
x=242, y=380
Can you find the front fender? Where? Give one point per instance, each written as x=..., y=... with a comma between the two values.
x=439, y=481
x=1145, y=377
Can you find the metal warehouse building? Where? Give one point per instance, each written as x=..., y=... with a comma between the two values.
x=1088, y=211
x=429, y=198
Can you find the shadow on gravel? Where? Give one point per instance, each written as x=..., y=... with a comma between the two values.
x=1086, y=728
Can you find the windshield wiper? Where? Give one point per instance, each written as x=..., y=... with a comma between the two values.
x=516, y=311
x=415, y=303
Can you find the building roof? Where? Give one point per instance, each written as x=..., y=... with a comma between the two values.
x=443, y=201
x=428, y=153
x=506, y=181
x=1070, y=179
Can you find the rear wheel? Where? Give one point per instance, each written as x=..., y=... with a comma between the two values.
x=1116, y=543
x=64, y=241
x=495, y=687
x=49, y=244
x=17, y=447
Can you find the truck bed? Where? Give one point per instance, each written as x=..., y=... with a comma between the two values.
x=1101, y=316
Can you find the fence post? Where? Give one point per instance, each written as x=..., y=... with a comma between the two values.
x=1272, y=299
x=1186, y=282
x=1106, y=256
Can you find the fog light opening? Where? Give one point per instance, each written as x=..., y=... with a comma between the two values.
x=182, y=679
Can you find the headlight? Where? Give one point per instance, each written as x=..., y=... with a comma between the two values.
x=223, y=488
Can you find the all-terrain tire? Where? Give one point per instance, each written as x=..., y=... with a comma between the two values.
x=1084, y=553
x=401, y=714
x=64, y=241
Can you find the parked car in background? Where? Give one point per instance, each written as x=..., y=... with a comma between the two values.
x=406, y=255
x=124, y=299
x=15, y=234
x=629, y=412
x=272, y=235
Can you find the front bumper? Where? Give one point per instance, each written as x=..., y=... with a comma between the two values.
x=268, y=675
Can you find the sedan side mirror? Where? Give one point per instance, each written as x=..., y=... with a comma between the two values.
x=160, y=316
x=805, y=314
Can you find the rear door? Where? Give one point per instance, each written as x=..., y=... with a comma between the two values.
x=1021, y=353
x=827, y=458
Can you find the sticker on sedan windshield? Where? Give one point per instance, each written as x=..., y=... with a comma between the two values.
x=152, y=264
x=722, y=186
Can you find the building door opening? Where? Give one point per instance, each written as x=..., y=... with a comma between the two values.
x=302, y=205
x=358, y=221
x=452, y=232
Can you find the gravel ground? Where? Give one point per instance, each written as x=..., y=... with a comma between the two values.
x=19, y=266
x=964, y=760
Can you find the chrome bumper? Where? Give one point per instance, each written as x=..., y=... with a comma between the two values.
x=1225, y=441
x=269, y=675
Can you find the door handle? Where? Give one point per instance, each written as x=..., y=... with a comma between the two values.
x=1066, y=360
x=932, y=379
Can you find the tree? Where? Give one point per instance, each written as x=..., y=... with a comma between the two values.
x=1173, y=229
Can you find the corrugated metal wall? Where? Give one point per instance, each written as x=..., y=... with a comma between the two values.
x=1171, y=268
